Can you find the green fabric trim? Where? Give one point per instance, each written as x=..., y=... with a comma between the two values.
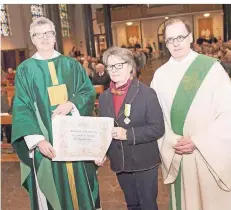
x=178, y=189
x=170, y=201
x=95, y=192
x=187, y=90
x=47, y=184
x=30, y=186
x=183, y=99
x=25, y=172
x=46, y=180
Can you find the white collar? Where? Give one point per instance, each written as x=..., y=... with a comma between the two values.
x=39, y=57
x=190, y=57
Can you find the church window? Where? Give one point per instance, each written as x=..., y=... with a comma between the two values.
x=5, y=26
x=36, y=11
x=64, y=18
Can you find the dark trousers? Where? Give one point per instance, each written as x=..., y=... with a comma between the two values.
x=140, y=189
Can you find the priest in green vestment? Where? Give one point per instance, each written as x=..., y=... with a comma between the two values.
x=47, y=85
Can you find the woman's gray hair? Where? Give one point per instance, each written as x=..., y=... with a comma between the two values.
x=122, y=53
x=38, y=22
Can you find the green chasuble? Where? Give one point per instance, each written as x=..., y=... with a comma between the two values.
x=40, y=85
x=186, y=92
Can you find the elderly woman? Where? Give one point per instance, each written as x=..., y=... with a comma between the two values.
x=138, y=117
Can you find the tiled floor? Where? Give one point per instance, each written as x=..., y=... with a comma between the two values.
x=14, y=197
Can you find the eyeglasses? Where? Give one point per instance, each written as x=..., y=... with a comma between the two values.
x=179, y=39
x=117, y=66
x=41, y=35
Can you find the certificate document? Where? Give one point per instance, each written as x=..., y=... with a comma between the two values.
x=81, y=138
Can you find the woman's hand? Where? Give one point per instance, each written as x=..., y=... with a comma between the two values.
x=119, y=133
x=101, y=162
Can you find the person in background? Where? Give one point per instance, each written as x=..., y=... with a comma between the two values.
x=142, y=60
x=123, y=46
x=150, y=50
x=137, y=45
x=94, y=61
x=5, y=109
x=10, y=75
x=130, y=45
x=79, y=59
x=89, y=59
x=3, y=79
x=200, y=40
x=212, y=39
x=101, y=77
x=77, y=52
x=74, y=52
x=98, y=60
x=3, y=75
x=137, y=58
x=87, y=69
x=226, y=63
x=93, y=65
x=101, y=55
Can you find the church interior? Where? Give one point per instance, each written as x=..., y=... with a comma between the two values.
x=84, y=32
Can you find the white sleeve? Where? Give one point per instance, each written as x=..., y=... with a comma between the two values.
x=74, y=111
x=33, y=140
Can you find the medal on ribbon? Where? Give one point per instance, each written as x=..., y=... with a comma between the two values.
x=127, y=112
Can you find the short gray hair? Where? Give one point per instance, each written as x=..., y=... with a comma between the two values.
x=40, y=21
x=122, y=53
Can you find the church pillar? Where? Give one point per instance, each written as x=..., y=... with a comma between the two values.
x=52, y=12
x=227, y=21
x=107, y=24
x=114, y=35
x=88, y=30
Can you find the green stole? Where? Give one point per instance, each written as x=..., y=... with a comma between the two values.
x=182, y=101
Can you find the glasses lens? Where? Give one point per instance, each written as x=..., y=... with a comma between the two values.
x=50, y=33
x=169, y=41
x=119, y=66
x=39, y=35
x=180, y=38
x=109, y=68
